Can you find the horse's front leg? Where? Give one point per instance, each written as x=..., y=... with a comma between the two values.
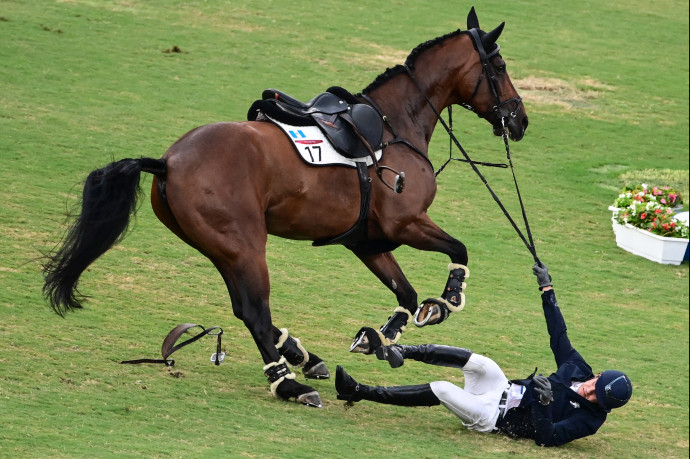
x=386, y=268
x=424, y=234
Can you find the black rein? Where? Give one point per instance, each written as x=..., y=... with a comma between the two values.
x=485, y=58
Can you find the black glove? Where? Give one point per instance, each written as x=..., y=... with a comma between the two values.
x=542, y=386
x=543, y=277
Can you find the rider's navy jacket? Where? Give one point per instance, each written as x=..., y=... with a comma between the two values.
x=569, y=416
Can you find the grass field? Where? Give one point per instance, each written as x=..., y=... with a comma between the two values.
x=84, y=82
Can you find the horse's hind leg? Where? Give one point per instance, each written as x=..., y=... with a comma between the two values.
x=296, y=355
x=249, y=291
x=312, y=366
x=386, y=268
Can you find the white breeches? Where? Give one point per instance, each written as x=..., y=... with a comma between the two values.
x=477, y=404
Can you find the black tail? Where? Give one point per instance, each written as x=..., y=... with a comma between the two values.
x=109, y=199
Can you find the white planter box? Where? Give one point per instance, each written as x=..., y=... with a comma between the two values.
x=665, y=250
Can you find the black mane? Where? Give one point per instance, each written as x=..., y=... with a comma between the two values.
x=409, y=62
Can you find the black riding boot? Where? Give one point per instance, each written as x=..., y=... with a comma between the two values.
x=350, y=390
x=434, y=354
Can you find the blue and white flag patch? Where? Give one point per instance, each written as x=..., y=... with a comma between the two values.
x=316, y=149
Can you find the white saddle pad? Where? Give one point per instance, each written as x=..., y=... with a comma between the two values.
x=315, y=149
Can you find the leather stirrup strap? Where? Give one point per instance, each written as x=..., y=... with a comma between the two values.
x=169, y=345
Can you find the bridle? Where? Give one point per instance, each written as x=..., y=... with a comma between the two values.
x=489, y=71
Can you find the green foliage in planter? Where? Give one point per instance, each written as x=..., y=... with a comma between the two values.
x=674, y=178
x=650, y=207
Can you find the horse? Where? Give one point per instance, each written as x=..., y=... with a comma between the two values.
x=223, y=187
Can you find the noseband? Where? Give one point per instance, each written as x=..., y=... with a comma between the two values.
x=491, y=78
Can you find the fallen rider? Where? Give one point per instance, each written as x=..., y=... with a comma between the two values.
x=571, y=403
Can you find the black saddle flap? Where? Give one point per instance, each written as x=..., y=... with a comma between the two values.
x=368, y=123
x=341, y=135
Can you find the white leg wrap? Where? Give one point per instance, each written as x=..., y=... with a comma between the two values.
x=452, y=308
x=387, y=341
x=409, y=316
x=284, y=335
x=401, y=309
x=452, y=266
x=276, y=383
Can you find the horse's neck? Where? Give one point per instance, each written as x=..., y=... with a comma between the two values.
x=415, y=104
x=407, y=108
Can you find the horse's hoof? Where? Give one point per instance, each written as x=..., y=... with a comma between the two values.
x=431, y=312
x=310, y=399
x=366, y=341
x=360, y=344
x=318, y=371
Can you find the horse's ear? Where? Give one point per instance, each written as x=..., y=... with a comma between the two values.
x=491, y=37
x=472, y=21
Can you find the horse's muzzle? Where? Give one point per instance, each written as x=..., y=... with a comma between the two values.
x=516, y=128
x=514, y=121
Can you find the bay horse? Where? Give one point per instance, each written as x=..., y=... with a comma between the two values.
x=223, y=187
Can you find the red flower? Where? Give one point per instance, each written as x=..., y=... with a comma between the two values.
x=643, y=215
x=657, y=211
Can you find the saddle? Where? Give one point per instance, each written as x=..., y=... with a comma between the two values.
x=355, y=129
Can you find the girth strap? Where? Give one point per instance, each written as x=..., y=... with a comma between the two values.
x=358, y=231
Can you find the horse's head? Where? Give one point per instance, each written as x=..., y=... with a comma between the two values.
x=494, y=97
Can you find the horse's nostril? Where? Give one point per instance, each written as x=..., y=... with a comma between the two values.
x=525, y=122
